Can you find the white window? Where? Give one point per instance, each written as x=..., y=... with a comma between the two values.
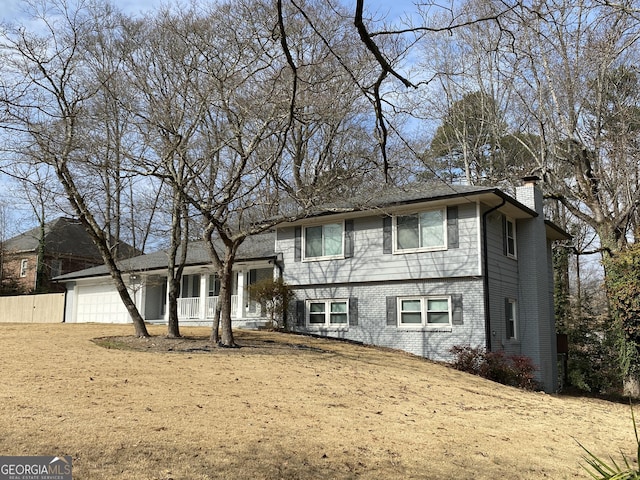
x=510, y=237
x=24, y=265
x=421, y=231
x=510, y=314
x=424, y=311
x=323, y=241
x=328, y=313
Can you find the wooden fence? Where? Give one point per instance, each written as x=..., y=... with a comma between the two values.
x=46, y=308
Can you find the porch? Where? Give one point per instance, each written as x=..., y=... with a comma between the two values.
x=199, y=296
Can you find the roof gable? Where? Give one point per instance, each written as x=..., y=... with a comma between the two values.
x=62, y=236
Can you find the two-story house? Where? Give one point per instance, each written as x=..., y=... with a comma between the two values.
x=420, y=269
x=31, y=259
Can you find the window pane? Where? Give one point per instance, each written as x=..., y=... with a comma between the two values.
x=333, y=239
x=438, y=317
x=316, y=313
x=438, y=311
x=411, y=312
x=411, y=305
x=338, y=312
x=432, y=229
x=414, y=318
x=510, y=315
x=339, y=307
x=338, y=318
x=316, y=308
x=511, y=237
x=313, y=242
x=407, y=232
x=438, y=305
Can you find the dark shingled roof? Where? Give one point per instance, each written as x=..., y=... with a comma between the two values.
x=256, y=247
x=63, y=236
x=419, y=192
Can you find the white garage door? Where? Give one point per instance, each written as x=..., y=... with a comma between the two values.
x=100, y=303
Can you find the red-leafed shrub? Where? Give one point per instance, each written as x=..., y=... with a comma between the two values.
x=515, y=370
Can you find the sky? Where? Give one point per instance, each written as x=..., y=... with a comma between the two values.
x=10, y=11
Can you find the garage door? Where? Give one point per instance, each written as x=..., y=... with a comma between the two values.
x=100, y=303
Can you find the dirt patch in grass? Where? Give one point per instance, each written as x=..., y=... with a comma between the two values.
x=254, y=342
x=281, y=407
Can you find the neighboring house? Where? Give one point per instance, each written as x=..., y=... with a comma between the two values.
x=419, y=269
x=66, y=247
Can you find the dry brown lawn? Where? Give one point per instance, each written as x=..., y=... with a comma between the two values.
x=282, y=407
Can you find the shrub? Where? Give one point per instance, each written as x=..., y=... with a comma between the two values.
x=514, y=370
x=467, y=358
x=498, y=368
x=274, y=296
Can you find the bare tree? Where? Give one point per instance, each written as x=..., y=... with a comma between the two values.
x=47, y=107
x=563, y=58
x=36, y=184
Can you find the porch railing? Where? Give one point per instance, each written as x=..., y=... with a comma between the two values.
x=189, y=307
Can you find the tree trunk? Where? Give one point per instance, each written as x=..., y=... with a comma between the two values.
x=173, y=326
x=215, y=330
x=138, y=322
x=224, y=305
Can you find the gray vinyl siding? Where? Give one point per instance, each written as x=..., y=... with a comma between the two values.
x=502, y=273
x=368, y=263
x=373, y=328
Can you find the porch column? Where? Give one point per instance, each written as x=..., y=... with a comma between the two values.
x=202, y=315
x=240, y=293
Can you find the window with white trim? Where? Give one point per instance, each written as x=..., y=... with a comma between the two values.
x=511, y=318
x=421, y=231
x=24, y=265
x=324, y=241
x=510, y=237
x=424, y=311
x=328, y=313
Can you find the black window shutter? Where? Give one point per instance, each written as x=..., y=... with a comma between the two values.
x=348, y=238
x=392, y=315
x=353, y=312
x=297, y=249
x=300, y=320
x=387, y=245
x=452, y=227
x=456, y=306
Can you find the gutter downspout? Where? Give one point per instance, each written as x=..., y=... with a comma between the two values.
x=485, y=276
